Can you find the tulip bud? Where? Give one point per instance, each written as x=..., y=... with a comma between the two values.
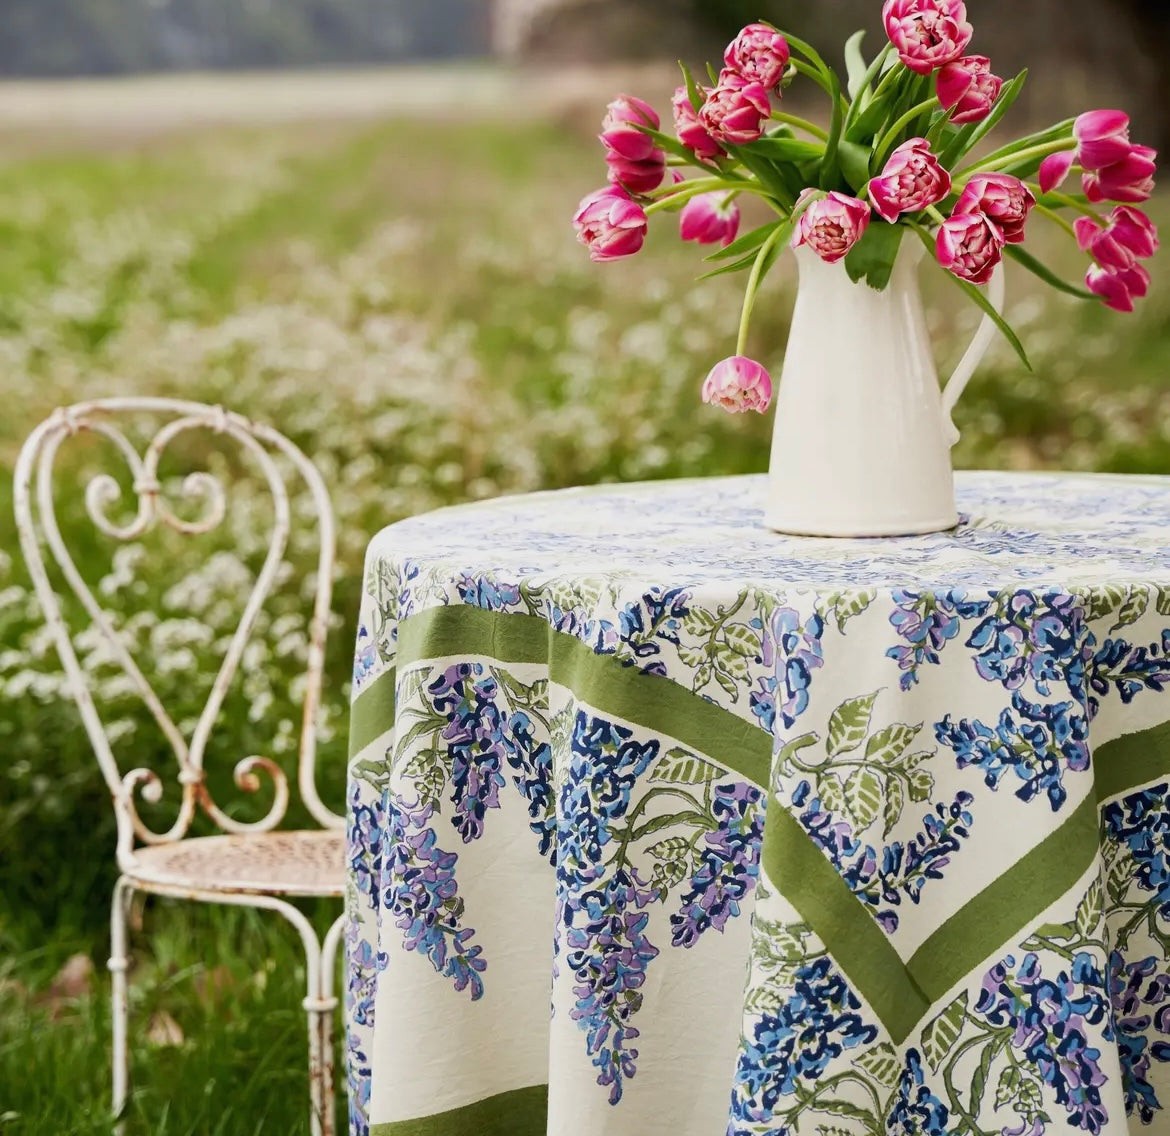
x=927, y=33
x=738, y=384
x=709, y=219
x=967, y=88
x=611, y=224
x=1002, y=199
x=970, y=246
x=690, y=130
x=912, y=180
x=634, y=161
x=736, y=111
x=759, y=54
x=832, y=226
x=1118, y=288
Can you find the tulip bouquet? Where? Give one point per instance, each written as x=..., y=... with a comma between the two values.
x=894, y=163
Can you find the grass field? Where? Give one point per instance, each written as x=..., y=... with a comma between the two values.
x=403, y=297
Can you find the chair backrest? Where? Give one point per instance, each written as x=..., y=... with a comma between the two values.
x=37, y=525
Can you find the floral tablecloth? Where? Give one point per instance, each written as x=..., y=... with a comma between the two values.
x=661, y=823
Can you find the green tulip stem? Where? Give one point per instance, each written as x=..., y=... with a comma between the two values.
x=1066, y=201
x=688, y=189
x=882, y=150
x=1055, y=217
x=800, y=124
x=749, y=296
x=1042, y=151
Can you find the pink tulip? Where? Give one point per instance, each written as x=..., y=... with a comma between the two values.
x=634, y=161
x=709, y=219
x=1054, y=169
x=1129, y=235
x=736, y=111
x=927, y=33
x=832, y=226
x=611, y=224
x=912, y=180
x=1102, y=138
x=738, y=384
x=1118, y=288
x=967, y=88
x=1131, y=180
x=759, y=54
x=690, y=130
x=970, y=246
x=1002, y=199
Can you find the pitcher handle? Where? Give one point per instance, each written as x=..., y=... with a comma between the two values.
x=973, y=356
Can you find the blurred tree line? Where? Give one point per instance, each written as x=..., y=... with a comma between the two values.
x=96, y=37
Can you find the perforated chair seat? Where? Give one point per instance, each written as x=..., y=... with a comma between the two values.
x=273, y=863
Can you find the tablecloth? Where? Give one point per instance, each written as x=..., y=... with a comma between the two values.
x=662, y=823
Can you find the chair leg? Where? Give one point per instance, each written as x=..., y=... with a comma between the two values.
x=327, y=1007
x=117, y=964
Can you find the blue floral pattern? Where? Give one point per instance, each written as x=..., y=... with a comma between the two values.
x=936, y=708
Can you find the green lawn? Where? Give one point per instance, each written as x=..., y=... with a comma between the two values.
x=406, y=300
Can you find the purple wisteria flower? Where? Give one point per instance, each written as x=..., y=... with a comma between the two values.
x=601, y=920
x=882, y=877
x=1039, y=743
x=654, y=618
x=1141, y=821
x=364, y=845
x=1129, y=669
x=474, y=734
x=927, y=621
x=487, y=592
x=1140, y=993
x=1052, y=1020
x=792, y=649
x=729, y=867
x=532, y=761
x=916, y=1110
x=422, y=896
x=793, y=1046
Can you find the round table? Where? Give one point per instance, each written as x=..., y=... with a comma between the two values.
x=662, y=824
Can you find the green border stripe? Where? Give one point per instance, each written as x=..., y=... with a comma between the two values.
x=654, y=702
x=521, y=1112
x=806, y=877
x=372, y=712
x=1009, y=903
x=1132, y=760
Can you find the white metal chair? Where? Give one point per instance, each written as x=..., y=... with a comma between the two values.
x=247, y=864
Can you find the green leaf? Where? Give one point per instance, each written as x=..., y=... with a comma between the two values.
x=787, y=149
x=851, y=604
x=1008, y=1087
x=714, y=75
x=767, y=174
x=691, y=656
x=849, y=723
x=670, y=849
x=882, y=1063
x=832, y=796
x=941, y=1033
x=1044, y=273
x=1162, y=602
x=982, y=1072
x=681, y=767
x=728, y=685
x=1102, y=600
x=854, y=164
x=921, y=786
x=892, y=806
x=886, y=746
x=831, y=164
x=983, y=303
x=872, y=258
x=869, y=121
x=1090, y=909
x=694, y=93
x=746, y=244
x=863, y=796
x=742, y=639
x=730, y=662
x=1133, y=609
x=699, y=622
x=855, y=65
x=736, y=266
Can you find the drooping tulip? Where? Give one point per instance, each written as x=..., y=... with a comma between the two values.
x=912, y=179
x=1003, y=199
x=1130, y=181
x=736, y=111
x=709, y=219
x=1115, y=169
x=832, y=225
x=634, y=161
x=1128, y=236
x=970, y=246
x=967, y=88
x=1117, y=288
x=927, y=33
x=611, y=224
x=759, y=54
x=738, y=384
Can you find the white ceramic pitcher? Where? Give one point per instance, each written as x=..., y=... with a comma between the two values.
x=862, y=441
